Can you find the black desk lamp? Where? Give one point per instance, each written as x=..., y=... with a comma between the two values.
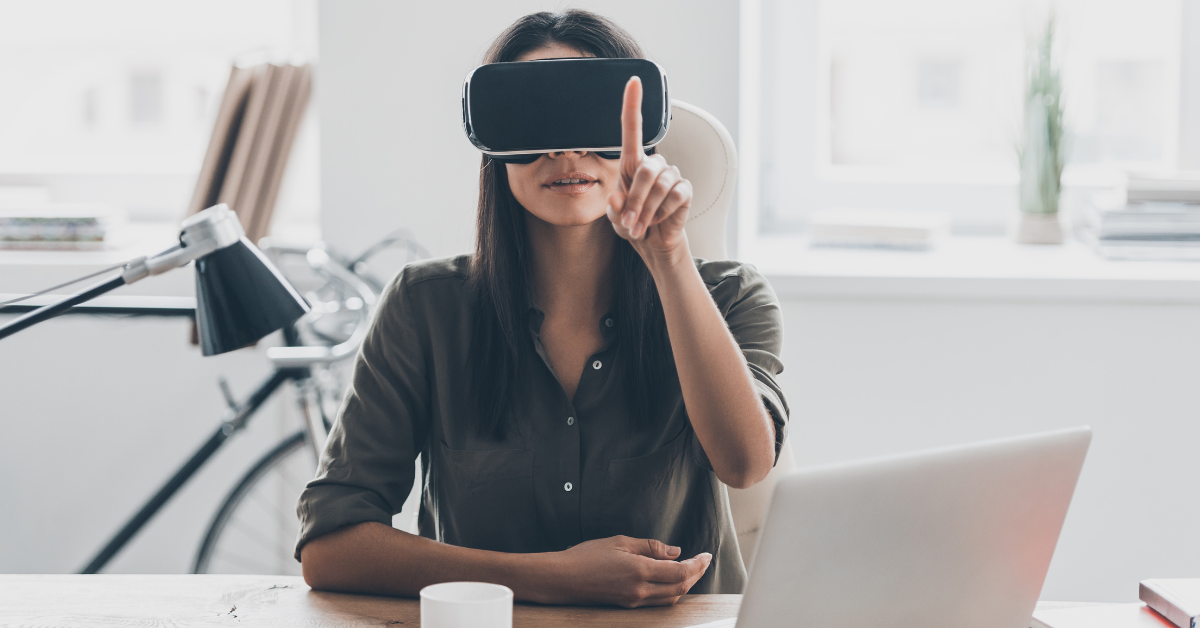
x=240, y=295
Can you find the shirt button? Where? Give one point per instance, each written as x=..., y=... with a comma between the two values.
x=567, y=487
x=570, y=420
x=596, y=365
x=608, y=322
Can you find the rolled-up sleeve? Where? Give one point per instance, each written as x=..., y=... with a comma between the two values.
x=752, y=312
x=367, y=468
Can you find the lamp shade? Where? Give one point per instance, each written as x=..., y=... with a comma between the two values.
x=241, y=297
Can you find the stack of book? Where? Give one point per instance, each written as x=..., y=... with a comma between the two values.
x=29, y=220
x=1153, y=218
x=63, y=228
x=256, y=125
x=56, y=227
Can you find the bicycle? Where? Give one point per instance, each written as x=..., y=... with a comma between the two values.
x=254, y=528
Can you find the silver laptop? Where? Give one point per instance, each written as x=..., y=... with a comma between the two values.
x=956, y=537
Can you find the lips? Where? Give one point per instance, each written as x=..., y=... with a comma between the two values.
x=570, y=178
x=570, y=182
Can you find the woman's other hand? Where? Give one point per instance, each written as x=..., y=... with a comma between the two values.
x=652, y=199
x=625, y=572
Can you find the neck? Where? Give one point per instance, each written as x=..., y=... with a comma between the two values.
x=572, y=267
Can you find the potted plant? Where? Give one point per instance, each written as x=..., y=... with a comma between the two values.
x=1040, y=154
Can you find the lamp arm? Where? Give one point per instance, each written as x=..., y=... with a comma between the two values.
x=134, y=270
x=54, y=309
x=214, y=228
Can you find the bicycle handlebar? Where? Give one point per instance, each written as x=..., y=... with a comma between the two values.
x=323, y=264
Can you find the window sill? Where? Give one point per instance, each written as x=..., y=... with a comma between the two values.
x=970, y=268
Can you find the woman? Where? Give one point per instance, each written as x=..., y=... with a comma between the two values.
x=578, y=389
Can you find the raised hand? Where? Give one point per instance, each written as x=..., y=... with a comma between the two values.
x=650, y=205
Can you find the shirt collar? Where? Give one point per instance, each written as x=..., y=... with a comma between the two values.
x=608, y=322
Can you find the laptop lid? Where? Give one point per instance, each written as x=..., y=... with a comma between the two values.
x=953, y=537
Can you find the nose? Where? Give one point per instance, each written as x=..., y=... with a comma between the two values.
x=566, y=153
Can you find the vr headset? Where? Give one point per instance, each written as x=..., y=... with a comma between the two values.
x=516, y=112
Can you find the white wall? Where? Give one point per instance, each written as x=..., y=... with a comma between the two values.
x=393, y=151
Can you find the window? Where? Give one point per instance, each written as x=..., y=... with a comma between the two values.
x=916, y=105
x=113, y=102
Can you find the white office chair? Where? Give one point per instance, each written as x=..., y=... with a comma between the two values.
x=701, y=147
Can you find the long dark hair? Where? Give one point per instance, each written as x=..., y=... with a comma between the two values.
x=500, y=273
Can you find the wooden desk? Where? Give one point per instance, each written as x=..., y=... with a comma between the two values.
x=170, y=600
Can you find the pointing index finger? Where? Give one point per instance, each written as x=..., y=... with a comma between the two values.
x=631, y=129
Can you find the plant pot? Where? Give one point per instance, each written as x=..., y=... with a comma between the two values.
x=1039, y=229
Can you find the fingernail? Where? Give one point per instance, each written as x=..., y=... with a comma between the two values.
x=674, y=550
x=627, y=219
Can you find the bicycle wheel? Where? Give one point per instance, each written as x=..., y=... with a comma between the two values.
x=254, y=531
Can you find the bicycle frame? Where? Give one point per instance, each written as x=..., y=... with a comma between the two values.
x=236, y=420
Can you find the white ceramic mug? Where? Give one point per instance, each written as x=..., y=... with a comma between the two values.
x=466, y=605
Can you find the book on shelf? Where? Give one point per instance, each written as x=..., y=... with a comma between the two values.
x=1143, y=219
x=57, y=226
x=221, y=143
x=291, y=114
x=1182, y=187
x=1153, y=218
x=1143, y=249
x=1177, y=599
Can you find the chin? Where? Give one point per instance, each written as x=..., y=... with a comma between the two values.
x=571, y=219
x=571, y=214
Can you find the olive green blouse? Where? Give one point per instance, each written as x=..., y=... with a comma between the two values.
x=570, y=471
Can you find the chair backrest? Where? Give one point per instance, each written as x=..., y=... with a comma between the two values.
x=701, y=147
